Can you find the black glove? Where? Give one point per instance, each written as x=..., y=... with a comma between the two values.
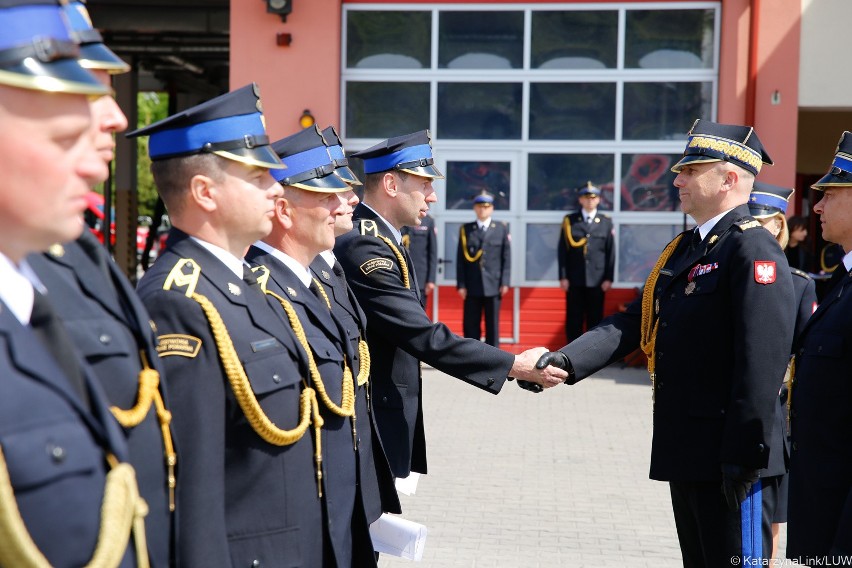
x=530, y=386
x=736, y=482
x=557, y=359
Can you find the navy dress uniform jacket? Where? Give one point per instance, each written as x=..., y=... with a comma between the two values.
x=109, y=327
x=820, y=509
x=242, y=500
x=721, y=350
x=342, y=479
x=485, y=276
x=804, y=292
x=377, y=485
x=55, y=448
x=401, y=335
x=423, y=249
x=587, y=266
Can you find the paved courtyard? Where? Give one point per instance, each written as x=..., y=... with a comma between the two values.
x=558, y=479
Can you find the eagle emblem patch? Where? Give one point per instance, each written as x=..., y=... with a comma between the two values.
x=764, y=271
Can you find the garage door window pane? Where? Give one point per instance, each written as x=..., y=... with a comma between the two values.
x=388, y=40
x=487, y=111
x=541, y=260
x=575, y=40
x=664, y=111
x=466, y=180
x=639, y=247
x=554, y=178
x=669, y=39
x=647, y=182
x=481, y=40
x=383, y=110
x=572, y=111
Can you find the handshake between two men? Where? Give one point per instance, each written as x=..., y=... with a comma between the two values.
x=551, y=368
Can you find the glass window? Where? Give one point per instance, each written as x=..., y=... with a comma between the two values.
x=481, y=40
x=647, y=182
x=639, y=247
x=669, y=39
x=572, y=111
x=485, y=111
x=664, y=111
x=466, y=180
x=554, y=179
x=541, y=258
x=574, y=40
x=451, y=244
x=388, y=40
x=383, y=110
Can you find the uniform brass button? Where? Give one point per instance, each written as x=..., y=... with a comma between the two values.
x=57, y=453
x=104, y=338
x=761, y=448
x=384, y=399
x=490, y=382
x=255, y=564
x=664, y=324
x=795, y=445
x=659, y=385
x=276, y=378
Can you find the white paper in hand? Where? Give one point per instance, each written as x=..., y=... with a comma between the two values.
x=394, y=535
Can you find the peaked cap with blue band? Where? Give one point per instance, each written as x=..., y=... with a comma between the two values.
x=767, y=200
x=230, y=126
x=338, y=156
x=411, y=153
x=93, y=53
x=714, y=142
x=840, y=174
x=588, y=189
x=309, y=165
x=483, y=198
x=37, y=51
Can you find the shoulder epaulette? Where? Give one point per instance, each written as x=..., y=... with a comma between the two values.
x=800, y=273
x=178, y=278
x=369, y=227
x=747, y=223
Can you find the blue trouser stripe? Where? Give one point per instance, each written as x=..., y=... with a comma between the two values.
x=751, y=518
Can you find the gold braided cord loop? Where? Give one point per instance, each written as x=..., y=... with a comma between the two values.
x=788, y=380
x=347, y=403
x=122, y=511
x=149, y=393
x=403, y=266
x=569, y=238
x=259, y=421
x=322, y=293
x=364, y=370
x=648, y=338
x=463, y=239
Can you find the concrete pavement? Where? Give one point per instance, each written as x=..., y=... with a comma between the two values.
x=557, y=479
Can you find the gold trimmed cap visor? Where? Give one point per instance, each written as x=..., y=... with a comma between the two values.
x=840, y=174
x=713, y=142
x=309, y=163
x=93, y=53
x=411, y=153
x=230, y=126
x=37, y=52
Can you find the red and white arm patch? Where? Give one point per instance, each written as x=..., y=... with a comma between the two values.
x=764, y=271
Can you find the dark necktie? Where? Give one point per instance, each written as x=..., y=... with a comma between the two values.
x=314, y=288
x=249, y=277
x=696, y=240
x=338, y=270
x=48, y=328
x=836, y=276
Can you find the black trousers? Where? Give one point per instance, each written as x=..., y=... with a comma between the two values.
x=711, y=535
x=474, y=307
x=582, y=304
